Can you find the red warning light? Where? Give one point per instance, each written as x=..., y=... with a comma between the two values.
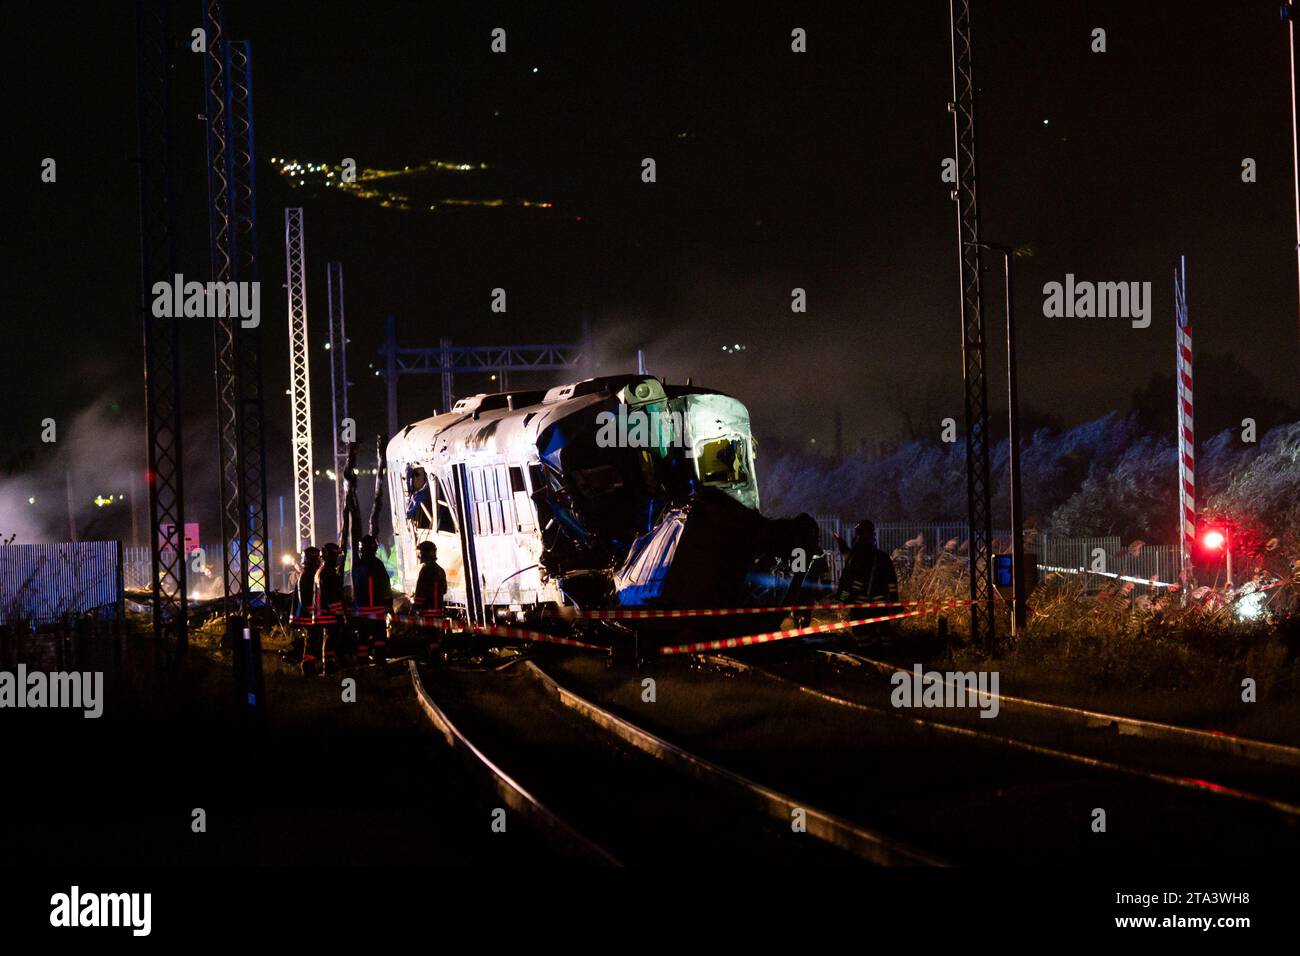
x=1213, y=540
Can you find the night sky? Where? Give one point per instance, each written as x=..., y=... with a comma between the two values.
x=775, y=170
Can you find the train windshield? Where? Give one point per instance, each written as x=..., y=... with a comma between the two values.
x=722, y=462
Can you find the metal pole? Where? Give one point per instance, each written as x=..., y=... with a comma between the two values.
x=334, y=402
x=1288, y=14
x=1018, y=569
x=1227, y=547
x=979, y=507
x=338, y=349
x=390, y=370
x=67, y=486
x=304, y=484
x=448, y=380
x=1018, y=609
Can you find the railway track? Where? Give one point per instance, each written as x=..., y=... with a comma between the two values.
x=960, y=795
x=1214, y=741
x=552, y=826
x=869, y=845
x=606, y=791
x=1283, y=807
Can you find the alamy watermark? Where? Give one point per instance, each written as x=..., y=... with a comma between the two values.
x=1098, y=300
x=78, y=690
x=208, y=300
x=75, y=908
x=637, y=428
x=918, y=688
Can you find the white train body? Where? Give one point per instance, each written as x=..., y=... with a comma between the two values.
x=488, y=463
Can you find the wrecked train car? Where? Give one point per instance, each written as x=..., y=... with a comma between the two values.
x=620, y=491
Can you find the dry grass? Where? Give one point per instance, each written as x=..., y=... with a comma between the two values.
x=1123, y=652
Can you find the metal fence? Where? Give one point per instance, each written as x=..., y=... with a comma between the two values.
x=1141, y=563
x=137, y=570
x=1105, y=558
x=45, y=583
x=931, y=537
x=1055, y=551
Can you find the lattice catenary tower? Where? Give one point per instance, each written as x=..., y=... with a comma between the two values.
x=304, y=495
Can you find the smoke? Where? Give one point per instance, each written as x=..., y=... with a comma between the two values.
x=792, y=371
x=97, y=454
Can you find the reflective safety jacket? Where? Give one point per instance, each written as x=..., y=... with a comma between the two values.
x=868, y=575
x=430, y=589
x=371, y=590
x=304, y=598
x=328, y=604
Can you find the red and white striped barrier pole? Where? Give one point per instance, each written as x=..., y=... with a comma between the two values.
x=1186, y=432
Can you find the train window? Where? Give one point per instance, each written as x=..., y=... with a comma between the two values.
x=445, y=520
x=722, y=462
x=520, y=517
x=418, y=501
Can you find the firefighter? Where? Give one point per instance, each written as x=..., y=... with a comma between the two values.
x=868, y=574
x=329, y=614
x=304, y=647
x=426, y=603
x=373, y=597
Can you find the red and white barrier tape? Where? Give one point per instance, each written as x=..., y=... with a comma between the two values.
x=924, y=607
x=632, y=613
x=770, y=636
x=519, y=633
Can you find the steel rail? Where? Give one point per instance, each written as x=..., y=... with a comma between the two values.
x=1097, y=763
x=515, y=796
x=1130, y=726
x=871, y=846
